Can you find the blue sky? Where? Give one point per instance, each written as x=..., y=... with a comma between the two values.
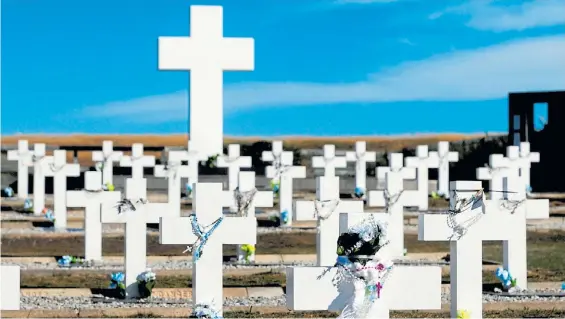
x=322, y=67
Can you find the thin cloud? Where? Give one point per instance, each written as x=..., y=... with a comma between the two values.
x=533, y=64
x=493, y=16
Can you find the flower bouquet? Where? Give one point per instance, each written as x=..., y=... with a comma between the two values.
x=247, y=252
x=205, y=311
x=508, y=282
x=117, y=283
x=188, y=190
x=145, y=283
x=275, y=186
x=8, y=192
x=108, y=187
x=359, y=192
x=48, y=214
x=361, y=263
x=28, y=205
x=68, y=261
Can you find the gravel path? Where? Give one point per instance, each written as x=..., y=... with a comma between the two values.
x=88, y=303
x=182, y=264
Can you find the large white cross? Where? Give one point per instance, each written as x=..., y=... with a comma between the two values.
x=137, y=161
x=41, y=169
x=327, y=190
x=422, y=163
x=443, y=157
x=260, y=199
x=484, y=220
x=135, y=238
x=206, y=53
x=394, y=198
x=174, y=171
x=91, y=198
x=233, y=161
x=329, y=162
x=107, y=156
x=10, y=287
x=207, y=278
x=407, y=288
x=60, y=170
x=360, y=156
x=283, y=171
x=24, y=157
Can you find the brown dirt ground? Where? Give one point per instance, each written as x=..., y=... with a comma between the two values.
x=373, y=142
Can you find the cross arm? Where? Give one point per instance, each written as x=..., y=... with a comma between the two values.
x=433, y=227
x=72, y=169
x=263, y=199
x=225, y=161
x=304, y=210
x=76, y=199
x=537, y=208
x=376, y=199
x=178, y=231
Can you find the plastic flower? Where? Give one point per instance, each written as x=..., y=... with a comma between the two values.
x=28, y=204
x=505, y=277
x=249, y=250
x=188, y=189
x=275, y=186
x=284, y=216
x=205, y=311
x=117, y=280
x=48, y=214
x=359, y=192
x=563, y=286
x=9, y=191
x=65, y=261
x=109, y=187
x=99, y=166
x=463, y=314
x=146, y=276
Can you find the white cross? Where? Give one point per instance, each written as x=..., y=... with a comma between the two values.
x=260, y=199
x=233, y=161
x=207, y=271
x=24, y=157
x=41, y=169
x=174, y=171
x=495, y=173
x=91, y=198
x=329, y=162
x=360, y=156
x=521, y=158
x=135, y=241
x=443, y=157
x=60, y=170
x=283, y=171
x=107, y=156
x=422, y=163
x=10, y=287
x=206, y=53
x=193, y=158
x=407, y=288
x=486, y=220
x=137, y=161
x=394, y=198
x=327, y=190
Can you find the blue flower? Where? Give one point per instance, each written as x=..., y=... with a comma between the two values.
x=284, y=216
x=28, y=204
x=9, y=191
x=359, y=192
x=343, y=261
x=116, y=278
x=65, y=261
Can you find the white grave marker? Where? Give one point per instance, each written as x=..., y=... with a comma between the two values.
x=137, y=161
x=422, y=162
x=483, y=220
x=91, y=198
x=234, y=161
x=394, y=198
x=443, y=157
x=60, y=170
x=207, y=278
x=206, y=53
x=282, y=170
x=521, y=158
x=360, y=156
x=407, y=288
x=329, y=162
x=260, y=199
x=327, y=192
x=107, y=156
x=495, y=176
x=41, y=169
x=135, y=238
x=193, y=158
x=174, y=171
x=9, y=287
x=24, y=157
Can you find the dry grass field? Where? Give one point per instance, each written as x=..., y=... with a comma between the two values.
x=373, y=142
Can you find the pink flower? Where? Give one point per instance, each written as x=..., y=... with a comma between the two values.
x=380, y=267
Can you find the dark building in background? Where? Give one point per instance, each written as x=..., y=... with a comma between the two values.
x=539, y=118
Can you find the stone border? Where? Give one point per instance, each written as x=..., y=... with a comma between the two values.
x=185, y=312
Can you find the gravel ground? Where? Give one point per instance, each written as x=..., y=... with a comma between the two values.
x=88, y=303
x=181, y=264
